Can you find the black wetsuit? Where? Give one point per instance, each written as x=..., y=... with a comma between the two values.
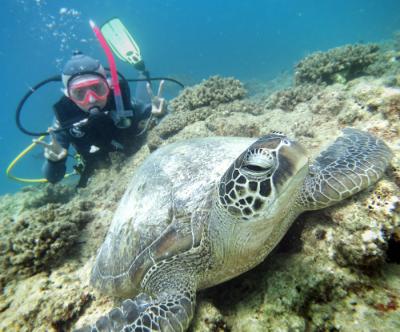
x=99, y=135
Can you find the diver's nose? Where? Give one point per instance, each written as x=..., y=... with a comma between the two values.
x=91, y=99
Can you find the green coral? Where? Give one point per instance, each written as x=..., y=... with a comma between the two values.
x=337, y=65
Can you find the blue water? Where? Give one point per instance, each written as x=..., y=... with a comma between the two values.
x=188, y=40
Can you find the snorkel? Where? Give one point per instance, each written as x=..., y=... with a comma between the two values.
x=120, y=116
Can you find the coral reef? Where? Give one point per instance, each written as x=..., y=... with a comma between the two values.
x=44, y=302
x=34, y=197
x=336, y=65
x=363, y=238
x=388, y=65
x=37, y=239
x=211, y=92
x=289, y=98
x=208, y=319
x=196, y=104
x=336, y=269
x=43, y=195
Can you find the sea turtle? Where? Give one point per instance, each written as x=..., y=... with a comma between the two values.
x=202, y=211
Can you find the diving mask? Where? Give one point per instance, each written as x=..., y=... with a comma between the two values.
x=88, y=89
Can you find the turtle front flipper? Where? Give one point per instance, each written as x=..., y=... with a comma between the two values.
x=169, y=311
x=352, y=163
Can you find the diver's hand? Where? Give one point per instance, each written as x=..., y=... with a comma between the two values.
x=159, y=105
x=53, y=151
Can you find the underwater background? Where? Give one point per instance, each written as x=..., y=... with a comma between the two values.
x=187, y=40
x=304, y=68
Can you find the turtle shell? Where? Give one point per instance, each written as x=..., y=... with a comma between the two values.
x=163, y=210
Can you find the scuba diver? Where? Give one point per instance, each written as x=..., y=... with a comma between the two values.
x=96, y=114
x=87, y=111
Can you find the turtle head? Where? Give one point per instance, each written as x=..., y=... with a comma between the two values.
x=263, y=180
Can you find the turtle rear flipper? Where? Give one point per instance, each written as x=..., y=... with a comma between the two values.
x=352, y=163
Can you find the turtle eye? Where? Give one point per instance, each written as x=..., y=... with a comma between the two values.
x=257, y=168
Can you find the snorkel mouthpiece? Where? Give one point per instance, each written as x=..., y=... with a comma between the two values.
x=94, y=111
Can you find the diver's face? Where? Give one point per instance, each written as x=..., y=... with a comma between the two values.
x=88, y=91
